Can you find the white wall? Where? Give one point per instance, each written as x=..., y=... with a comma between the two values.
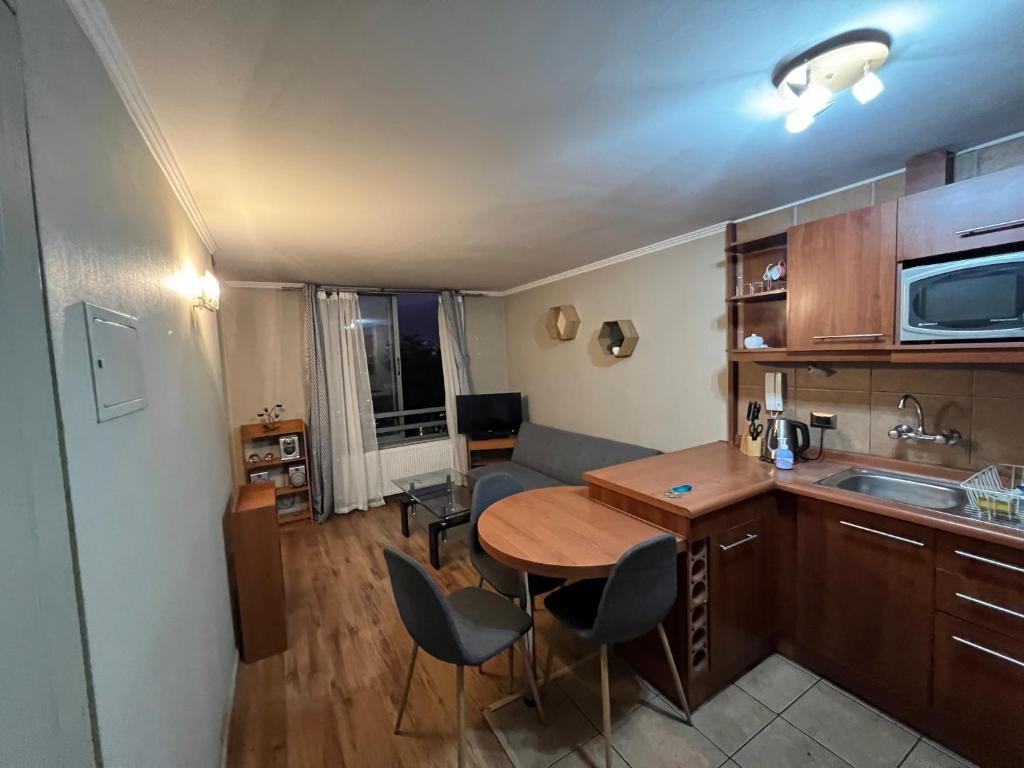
x=147, y=490
x=672, y=392
x=261, y=336
x=44, y=701
x=485, y=338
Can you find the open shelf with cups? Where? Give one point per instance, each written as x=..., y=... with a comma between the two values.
x=756, y=303
x=756, y=293
x=278, y=455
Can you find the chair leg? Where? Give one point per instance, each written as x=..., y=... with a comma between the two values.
x=408, y=684
x=460, y=695
x=511, y=670
x=480, y=667
x=532, y=679
x=675, y=674
x=606, y=708
x=533, y=636
x=547, y=662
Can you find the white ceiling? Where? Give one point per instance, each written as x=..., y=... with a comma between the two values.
x=484, y=144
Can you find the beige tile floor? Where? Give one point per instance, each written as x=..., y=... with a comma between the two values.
x=778, y=715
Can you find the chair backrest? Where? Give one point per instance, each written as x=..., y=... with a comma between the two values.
x=489, y=489
x=423, y=608
x=639, y=592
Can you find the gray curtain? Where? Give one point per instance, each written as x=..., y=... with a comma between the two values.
x=320, y=474
x=451, y=323
x=455, y=315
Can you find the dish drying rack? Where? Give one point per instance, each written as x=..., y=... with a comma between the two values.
x=994, y=494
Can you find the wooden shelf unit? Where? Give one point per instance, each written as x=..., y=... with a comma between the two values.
x=489, y=451
x=255, y=438
x=763, y=313
x=775, y=293
x=256, y=575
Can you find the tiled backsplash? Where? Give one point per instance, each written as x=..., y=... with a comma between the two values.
x=984, y=403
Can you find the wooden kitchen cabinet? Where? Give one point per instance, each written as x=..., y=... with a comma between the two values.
x=979, y=692
x=742, y=599
x=982, y=212
x=864, y=598
x=842, y=281
x=981, y=583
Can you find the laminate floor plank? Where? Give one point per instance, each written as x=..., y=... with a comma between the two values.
x=332, y=697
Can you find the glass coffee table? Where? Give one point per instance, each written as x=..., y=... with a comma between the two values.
x=444, y=497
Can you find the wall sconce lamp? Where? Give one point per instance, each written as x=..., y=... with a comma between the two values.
x=203, y=292
x=207, y=295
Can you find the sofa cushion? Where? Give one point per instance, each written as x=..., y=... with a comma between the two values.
x=528, y=477
x=565, y=456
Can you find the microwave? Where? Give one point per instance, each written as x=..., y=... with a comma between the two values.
x=979, y=298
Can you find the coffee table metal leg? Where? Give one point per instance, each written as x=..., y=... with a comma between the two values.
x=434, y=533
x=405, y=504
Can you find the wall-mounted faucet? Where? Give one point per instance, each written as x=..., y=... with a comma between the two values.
x=907, y=432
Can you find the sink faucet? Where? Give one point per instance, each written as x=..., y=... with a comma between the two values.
x=907, y=432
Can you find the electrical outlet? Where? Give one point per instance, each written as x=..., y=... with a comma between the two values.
x=824, y=420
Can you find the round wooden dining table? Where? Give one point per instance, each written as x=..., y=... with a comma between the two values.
x=560, y=532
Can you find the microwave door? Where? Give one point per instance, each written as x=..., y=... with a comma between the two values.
x=979, y=299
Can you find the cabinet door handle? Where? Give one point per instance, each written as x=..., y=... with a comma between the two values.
x=993, y=606
x=988, y=561
x=849, y=336
x=892, y=536
x=749, y=537
x=989, y=651
x=1011, y=224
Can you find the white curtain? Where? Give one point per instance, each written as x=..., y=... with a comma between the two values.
x=358, y=481
x=451, y=324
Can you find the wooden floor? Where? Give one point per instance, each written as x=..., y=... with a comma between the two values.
x=331, y=699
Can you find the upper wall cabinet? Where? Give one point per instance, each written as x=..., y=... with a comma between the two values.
x=977, y=213
x=842, y=281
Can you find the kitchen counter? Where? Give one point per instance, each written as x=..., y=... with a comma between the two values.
x=721, y=476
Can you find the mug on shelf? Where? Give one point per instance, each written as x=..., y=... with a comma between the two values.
x=775, y=272
x=753, y=341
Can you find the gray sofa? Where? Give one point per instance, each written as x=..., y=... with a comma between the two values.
x=545, y=457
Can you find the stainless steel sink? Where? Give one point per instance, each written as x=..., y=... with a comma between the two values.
x=926, y=492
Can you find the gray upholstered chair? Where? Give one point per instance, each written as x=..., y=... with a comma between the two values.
x=632, y=601
x=503, y=579
x=467, y=627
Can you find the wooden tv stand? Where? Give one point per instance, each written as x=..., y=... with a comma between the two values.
x=489, y=450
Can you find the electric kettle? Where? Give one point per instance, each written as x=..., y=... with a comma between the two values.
x=798, y=437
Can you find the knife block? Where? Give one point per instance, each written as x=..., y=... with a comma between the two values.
x=749, y=446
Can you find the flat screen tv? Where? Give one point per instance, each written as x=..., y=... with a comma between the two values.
x=489, y=415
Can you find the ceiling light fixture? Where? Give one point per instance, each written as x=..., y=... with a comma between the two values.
x=799, y=120
x=809, y=82
x=869, y=86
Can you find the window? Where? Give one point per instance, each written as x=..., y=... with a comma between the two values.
x=403, y=354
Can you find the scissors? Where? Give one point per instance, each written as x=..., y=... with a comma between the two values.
x=753, y=412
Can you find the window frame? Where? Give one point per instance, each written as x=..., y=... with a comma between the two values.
x=396, y=366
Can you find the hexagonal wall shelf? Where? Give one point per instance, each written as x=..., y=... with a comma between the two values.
x=563, y=322
x=618, y=338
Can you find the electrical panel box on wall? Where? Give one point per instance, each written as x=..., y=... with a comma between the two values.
x=116, y=360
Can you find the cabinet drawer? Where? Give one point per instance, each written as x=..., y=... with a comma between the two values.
x=980, y=560
x=982, y=583
x=977, y=213
x=981, y=602
x=979, y=692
